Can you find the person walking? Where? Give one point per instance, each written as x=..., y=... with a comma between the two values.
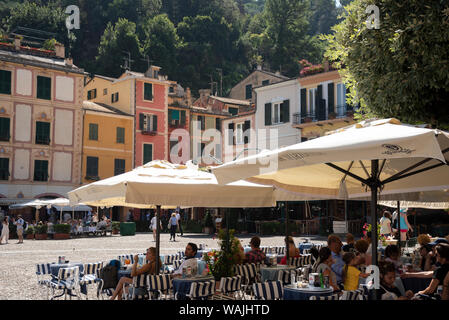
x=173, y=223
x=153, y=226
x=19, y=225
x=178, y=217
x=405, y=225
x=385, y=224
x=5, y=230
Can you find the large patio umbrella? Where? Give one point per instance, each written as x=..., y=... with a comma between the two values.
x=369, y=158
x=36, y=204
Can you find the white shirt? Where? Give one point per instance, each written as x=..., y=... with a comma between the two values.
x=153, y=223
x=385, y=225
x=178, y=216
x=192, y=262
x=19, y=223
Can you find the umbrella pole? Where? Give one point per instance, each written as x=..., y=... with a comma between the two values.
x=399, y=224
x=374, y=185
x=158, y=237
x=286, y=229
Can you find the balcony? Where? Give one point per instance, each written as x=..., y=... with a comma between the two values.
x=176, y=124
x=149, y=132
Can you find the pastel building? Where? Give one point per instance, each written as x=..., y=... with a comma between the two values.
x=41, y=96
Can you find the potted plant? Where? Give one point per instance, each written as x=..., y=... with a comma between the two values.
x=62, y=231
x=30, y=232
x=115, y=227
x=332, y=115
x=208, y=223
x=41, y=232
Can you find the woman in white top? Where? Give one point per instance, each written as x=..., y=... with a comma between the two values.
x=5, y=230
x=385, y=224
x=153, y=226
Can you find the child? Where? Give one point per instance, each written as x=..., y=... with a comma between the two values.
x=351, y=274
x=387, y=289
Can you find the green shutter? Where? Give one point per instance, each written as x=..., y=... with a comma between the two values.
x=5, y=82
x=5, y=129
x=141, y=121
x=42, y=132
x=285, y=111
x=4, y=168
x=147, y=153
x=249, y=91
x=231, y=134
x=246, y=131
x=303, y=103
x=148, y=91
x=40, y=170
x=92, y=167
x=119, y=166
x=218, y=124
x=93, y=131
x=330, y=97
x=154, y=123
x=120, y=135
x=43, y=88
x=183, y=117
x=267, y=114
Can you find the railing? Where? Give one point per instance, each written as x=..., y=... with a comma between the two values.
x=308, y=117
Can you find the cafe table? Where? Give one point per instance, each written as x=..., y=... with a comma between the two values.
x=181, y=286
x=293, y=292
x=272, y=273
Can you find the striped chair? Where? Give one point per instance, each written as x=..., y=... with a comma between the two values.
x=201, y=290
x=302, y=261
x=159, y=286
x=265, y=249
x=232, y=287
x=331, y=297
x=269, y=290
x=122, y=258
x=285, y=276
x=138, y=290
x=180, y=255
x=168, y=259
x=177, y=264
x=280, y=250
x=249, y=274
x=43, y=273
x=91, y=275
x=67, y=280
x=352, y=295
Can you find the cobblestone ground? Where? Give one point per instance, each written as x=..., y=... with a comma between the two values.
x=18, y=261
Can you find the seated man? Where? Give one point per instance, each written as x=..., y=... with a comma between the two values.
x=255, y=255
x=334, y=243
x=190, y=260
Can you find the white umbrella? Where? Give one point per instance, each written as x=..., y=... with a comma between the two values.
x=367, y=158
x=415, y=204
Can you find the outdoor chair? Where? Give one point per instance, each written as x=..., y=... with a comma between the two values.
x=122, y=258
x=91, y=275
x=201, y=290
x=67, y=281
x=285, y=276
x=249, y=273
x=269, y=290
x=302, y=261
x=331, y=297
x=352, y=295
x=43, y=273
x=137, y=290
x=160, y=286
x=230, y=289
x=280, y=250
x=169, y=258
x=177, y=264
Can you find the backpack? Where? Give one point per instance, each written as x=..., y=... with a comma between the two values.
x=109, y=276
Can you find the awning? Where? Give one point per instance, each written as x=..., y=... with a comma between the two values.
x=75, y=208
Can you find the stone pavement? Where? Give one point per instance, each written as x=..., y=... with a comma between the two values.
x=18, y=261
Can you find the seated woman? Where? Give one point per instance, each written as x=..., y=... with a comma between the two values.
x=324, y=266
x=148, y=268
x=387, y=290
x=293, y=252
x=439, y=275
x=427, y=261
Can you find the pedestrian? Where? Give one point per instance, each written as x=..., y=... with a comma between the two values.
x=385, y=224
x=5, y=230
x=405, y=227
x=178, y=217
x=153, y=226
x=173, y=224
x=19, y=225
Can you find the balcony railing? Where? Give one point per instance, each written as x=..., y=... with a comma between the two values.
x=174, y=124
x=340, y=112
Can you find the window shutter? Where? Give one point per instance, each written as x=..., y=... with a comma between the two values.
x=330, y=97
x=267, y=114
x=4, y=129
x=303, y=103
x=246, y=131
x=147, y=153
x=285, y=111
x=148, y=91
x=218, y=124
x=249, y=91
x=170, y=117
x=141, y=121
x=183, y=117
x=120, y=135
x=5, y=82
x=4, y=168
x=231, y=134
x=154, y=123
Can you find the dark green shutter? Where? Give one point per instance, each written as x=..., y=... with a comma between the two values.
x=330, y=98
x=42, y=132
x=231, y=134
x=4, y=168
x=5, y=129
x=147, y=153
x=183, y=117
x=5, y=82
x=92, y=167
x=285, y=111
x=154, y=123
x=148, y=91
x=170, y=117
x=120, y=135
x=246, y=131
x=93, y=131
x=43, y=88
x=303, y=103
x=40, y=170
x=141, y=121
x=320, y=104
x=218, y=123
x=248, y=91
x=119, y=166
x=267, y=114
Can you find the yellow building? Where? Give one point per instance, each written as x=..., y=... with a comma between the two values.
x=107, y=142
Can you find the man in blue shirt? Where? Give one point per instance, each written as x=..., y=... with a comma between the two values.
x=334, y=243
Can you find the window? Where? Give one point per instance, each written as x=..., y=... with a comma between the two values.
x=147, y=153
x=312, y=102
x=174, y=117
x=276, y=113
x=43, y=88
x=265, y=82
x=148, y=91
x=105, y=92
x=40, y=170
x=201, y=123
x=341, y=99
x=147, y=123
x=4, y=168
x=119, y=166
x=91, y=94
x=5, y=132
x=92, y=168
x=5, y=82
x=174, y=148
x=239, y=133
x=42, y=132
x=114, y=97
x=233, y=111
x=93, y=131
x=218, y=124
x=171, y=90
x=248, y=91
x=120, y=135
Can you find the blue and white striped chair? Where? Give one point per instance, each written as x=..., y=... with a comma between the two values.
x=280, y=250
x=285, y=276
x=160, y=286
x=201, y=290
x=302, y=261
x=250, y=274
x=331, y=297
x=269, y=290
x=91, y=275
x=122, y=258
x=43, y=273
x=352, y=295
x=180, y=255
x=169, y=258
x=231, y=287
x=265, y=249
x=68, y=280
x=138, y=290
x=177, y=264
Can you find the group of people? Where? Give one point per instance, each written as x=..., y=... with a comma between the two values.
x=389, y=225
x=19, y=223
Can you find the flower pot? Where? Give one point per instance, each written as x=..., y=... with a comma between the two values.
x=61, y=236
x=30, y=236
x=42, y=236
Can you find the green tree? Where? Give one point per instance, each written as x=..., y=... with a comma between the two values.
x=399, y=70
x=116, y=41
x=323, y=16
